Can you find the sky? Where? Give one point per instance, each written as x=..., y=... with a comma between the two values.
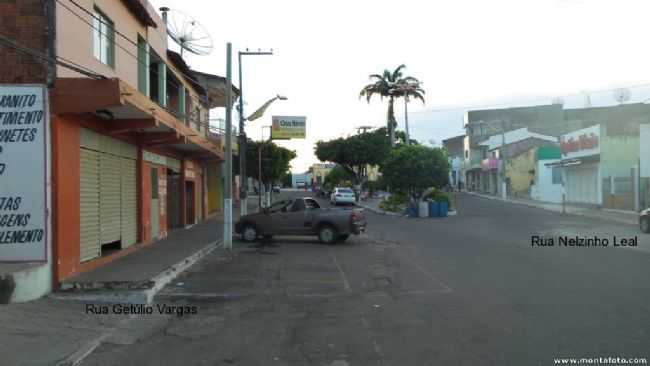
x=466, y=53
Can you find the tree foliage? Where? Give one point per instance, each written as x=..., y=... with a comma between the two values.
x=336, y=176
x=355, y=153
x=412, y=169
x=275, y=161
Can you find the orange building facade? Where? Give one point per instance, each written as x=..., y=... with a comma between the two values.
x=130, y=133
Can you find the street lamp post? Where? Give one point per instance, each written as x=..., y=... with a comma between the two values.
x=243, y=195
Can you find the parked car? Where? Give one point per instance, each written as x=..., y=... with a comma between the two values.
x=644, y=221
x=302, y=216
x=276, y=189
x=342, y=195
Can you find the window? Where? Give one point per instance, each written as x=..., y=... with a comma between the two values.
x=298, y=205
x=103, y=39
x=279, y=206
x=557, y=175
x=311, y=204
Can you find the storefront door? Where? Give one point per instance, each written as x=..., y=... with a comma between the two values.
x=582, y=184
x=173, y=199
x=155, y=208
x=189, y=203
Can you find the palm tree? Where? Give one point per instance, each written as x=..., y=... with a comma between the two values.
x=392, y=85
x=408, y=87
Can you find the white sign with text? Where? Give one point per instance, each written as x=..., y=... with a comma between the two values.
x=584, y=142
x=23, y=173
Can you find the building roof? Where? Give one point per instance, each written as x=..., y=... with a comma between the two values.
x=139, y=8
x=496, y=141
x=216, y=88
x=454, y=139
x=213, y=86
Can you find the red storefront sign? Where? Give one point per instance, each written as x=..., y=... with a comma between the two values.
x=582, y=142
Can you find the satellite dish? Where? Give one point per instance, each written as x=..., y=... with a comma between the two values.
x=187, y=32
x=622, y=95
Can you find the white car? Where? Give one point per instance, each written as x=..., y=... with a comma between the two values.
x=342, y=195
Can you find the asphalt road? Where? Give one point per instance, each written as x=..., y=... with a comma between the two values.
x=464, y=290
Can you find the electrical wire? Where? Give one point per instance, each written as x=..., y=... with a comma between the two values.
x=112, y=26
x=173, y=82
x=63, y=62
x=507, y=105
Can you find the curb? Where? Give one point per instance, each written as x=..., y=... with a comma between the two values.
x=581, y=214
x=379, y=211
x=140, y=296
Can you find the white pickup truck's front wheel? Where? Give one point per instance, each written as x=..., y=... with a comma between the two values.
x=327, y=234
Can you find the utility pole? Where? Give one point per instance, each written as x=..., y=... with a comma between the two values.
x=243, y=194
x=227, y=220
x=504, y=186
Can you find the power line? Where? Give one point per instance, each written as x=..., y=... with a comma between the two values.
x=175, y=84
x=8, y=41
x=112, y=26
x=529, y=101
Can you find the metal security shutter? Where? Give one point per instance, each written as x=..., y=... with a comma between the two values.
x=89, y=205
x=129, y=219
x=109, y=198
x=583, y=184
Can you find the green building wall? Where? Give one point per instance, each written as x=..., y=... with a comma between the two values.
x=618, y=154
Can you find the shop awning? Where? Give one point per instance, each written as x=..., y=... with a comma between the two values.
x=591, y=159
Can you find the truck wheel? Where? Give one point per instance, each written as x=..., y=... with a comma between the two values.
x=644, y=223
x=343, y=238
x=249, y=233
x=327, y=234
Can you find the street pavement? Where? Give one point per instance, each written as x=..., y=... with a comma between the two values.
x=463, y=290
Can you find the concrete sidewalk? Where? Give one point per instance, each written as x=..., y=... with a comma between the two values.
x=619, y=216
x=62, y=329
x=137, y=277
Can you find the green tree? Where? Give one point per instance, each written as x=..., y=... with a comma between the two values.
x=355, y=153
x=286, y=179
x=275, y=161
x=336, y=176
x=392, y=85
x=414, y=168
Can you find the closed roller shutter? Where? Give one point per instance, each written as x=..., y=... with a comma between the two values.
x=89, y=205
x=583, y=184
x=109, y=198
x=129, y=203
